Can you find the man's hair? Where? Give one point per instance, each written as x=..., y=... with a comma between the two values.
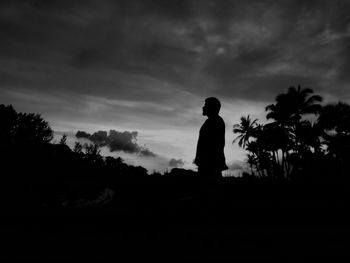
x=214, y=104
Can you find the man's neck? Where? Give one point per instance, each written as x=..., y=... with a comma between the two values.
x=212, y=116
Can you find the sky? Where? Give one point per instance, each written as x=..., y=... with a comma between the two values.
x=146, y=66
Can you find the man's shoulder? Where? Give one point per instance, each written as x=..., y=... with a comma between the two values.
x=214, y=123
x=218, y=120
x=221, y=119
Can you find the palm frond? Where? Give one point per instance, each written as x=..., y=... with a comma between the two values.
x=313, y=99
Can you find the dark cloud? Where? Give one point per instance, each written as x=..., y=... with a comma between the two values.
x=117, y=141
x=170, y=9
x=230, y=48
x=82, y=134
x=176, y=162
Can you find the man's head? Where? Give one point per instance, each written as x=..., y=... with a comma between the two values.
x=211, y=107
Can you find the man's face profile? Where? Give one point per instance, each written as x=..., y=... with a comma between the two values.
x=205, y=109
x=211, y=107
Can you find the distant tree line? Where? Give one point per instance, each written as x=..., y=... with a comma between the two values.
x=33, y=168
x=28, y=136
x=303, y=140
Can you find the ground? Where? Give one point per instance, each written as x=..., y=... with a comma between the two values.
x=243, y=222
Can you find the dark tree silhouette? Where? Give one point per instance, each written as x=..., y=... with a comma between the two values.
x=8, y=117
x=63, y=139
x=336, y=117
x=287, y=113
x=246, y=130
x=92, y=153
x=291, y=106
x=33, y=128
x=78, y=148
x=276, y=148
x=43, y=172
x=276, y=142
x=334, y=121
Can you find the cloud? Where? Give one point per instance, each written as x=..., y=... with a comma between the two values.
x=237, y=166
x=148, y=51
x=82, y=134
x=176, y=162
x=229, y=48
x=117, y=141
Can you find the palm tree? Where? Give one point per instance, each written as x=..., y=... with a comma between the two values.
x=305, y=102
x=287, y=113
x=336, y=117
x=246, y=130
x=253, y=156
x=308, y=136
x=259, y=156
x=334, y=120
x=276, y=140
x=251, y=160
x=274, y=143
x=291, y=106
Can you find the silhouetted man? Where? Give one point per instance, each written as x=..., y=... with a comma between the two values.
x=210, y=157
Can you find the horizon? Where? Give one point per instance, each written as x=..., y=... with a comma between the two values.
x=148, y=66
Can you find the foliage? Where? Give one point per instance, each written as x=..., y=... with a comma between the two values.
x=23, y=128
x=39, y=169
x=33, y=128
x=246, y=130
x=63, y=139
x=290, y=145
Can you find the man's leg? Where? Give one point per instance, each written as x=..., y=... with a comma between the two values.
x=210, y=188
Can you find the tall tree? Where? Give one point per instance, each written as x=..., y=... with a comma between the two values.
x=63, y=140
x=291, y=106
x=246, y=130
x=8, y=122
x=287, y=113
x=335, y=122
x=32, y=128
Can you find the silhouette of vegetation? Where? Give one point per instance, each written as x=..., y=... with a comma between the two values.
x=303, y=140
x=246, y=128
x=42, y=171
x=63, y=139
x=51, y=190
